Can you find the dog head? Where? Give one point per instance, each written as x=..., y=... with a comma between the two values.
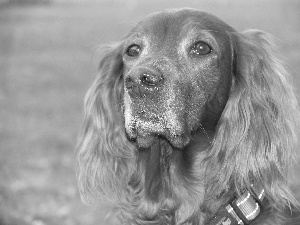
x=177, y=76
x=186, y=110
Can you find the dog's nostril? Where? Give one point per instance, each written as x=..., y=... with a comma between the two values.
x=129, y=82
x=150, y=79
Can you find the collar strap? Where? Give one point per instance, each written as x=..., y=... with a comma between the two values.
x=242, y=210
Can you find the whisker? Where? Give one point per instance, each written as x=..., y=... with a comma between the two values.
x=201, y=126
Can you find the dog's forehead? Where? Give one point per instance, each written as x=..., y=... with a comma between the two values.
x=178, y=23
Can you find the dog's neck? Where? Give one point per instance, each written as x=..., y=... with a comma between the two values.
x=174, y=179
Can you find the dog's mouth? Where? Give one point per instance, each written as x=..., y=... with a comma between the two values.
x=164, y=117
x=146, y=133
x=177, y=141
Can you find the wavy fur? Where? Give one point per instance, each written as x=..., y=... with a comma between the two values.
x=105, y=158
x=259, y=123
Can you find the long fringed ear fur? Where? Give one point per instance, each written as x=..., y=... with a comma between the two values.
x=256, y=134
x=105, y=157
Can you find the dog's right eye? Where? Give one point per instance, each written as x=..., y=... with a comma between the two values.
x=133, y=50
x=200, y=48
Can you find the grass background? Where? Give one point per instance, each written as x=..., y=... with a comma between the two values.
x=48, y=59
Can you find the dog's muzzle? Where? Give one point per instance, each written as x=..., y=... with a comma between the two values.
x=154, y=109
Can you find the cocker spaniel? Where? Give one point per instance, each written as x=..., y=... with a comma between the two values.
x=190, y=122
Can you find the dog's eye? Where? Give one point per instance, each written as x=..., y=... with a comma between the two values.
x=200, y=48
x=133, y=50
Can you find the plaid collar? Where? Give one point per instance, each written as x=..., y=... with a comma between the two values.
x=242, y=210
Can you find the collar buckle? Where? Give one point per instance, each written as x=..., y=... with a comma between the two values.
x=242, y=210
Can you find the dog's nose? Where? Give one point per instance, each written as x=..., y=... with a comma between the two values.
x=144, y=81
x=150, y=79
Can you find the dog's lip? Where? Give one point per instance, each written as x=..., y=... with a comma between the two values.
x=177, y=141
x=145, y=132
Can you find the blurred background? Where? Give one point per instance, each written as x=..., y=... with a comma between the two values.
x=48, y=59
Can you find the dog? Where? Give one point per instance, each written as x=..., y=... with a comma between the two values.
x=191, y=122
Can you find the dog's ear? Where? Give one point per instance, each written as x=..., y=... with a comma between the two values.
x=105, y=156
x=256, y=133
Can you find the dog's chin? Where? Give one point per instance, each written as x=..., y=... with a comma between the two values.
x=145, y=141
x=176, y=141
x=146, y=133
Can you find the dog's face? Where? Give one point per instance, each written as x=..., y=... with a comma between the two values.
x=177, y=74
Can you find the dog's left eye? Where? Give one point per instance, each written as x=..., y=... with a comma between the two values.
x=133, y=50
x=200, y=48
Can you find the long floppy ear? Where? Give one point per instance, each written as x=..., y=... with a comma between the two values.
x=105, y=156
x=256, y=134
